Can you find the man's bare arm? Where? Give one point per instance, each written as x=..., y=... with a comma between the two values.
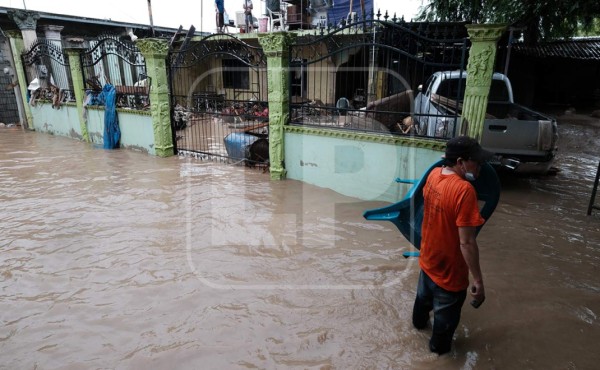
x=470, y=252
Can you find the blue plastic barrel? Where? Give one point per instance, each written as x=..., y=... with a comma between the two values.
x=238, y=144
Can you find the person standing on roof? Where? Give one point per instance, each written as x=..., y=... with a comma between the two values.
x=220, y=11
x=248, y=15
x=449, y=247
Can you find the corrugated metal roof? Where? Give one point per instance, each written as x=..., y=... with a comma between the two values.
x=584, y=48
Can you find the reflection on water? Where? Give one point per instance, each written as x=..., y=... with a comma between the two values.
x=114, y=259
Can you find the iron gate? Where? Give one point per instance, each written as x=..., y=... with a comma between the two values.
x=9, y=111
x=48, y=74
x=219, y=100
x=109, y=59
x=365, y=75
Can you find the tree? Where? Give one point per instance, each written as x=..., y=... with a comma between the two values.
x=541, y=19
x=593, y=31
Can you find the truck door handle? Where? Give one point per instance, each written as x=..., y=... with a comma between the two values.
x=498, y=128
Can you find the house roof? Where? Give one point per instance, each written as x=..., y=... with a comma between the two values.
x=581, y=48
x=75, y=25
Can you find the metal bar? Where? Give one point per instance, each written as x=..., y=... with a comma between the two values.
x=595, y=188
x=150, y=15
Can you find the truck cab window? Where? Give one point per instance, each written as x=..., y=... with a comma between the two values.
x=452, y=88
x=498, y=91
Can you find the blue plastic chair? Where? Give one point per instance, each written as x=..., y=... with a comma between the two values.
x=407, y=214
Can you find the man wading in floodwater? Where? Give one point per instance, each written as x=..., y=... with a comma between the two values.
x=448, y=247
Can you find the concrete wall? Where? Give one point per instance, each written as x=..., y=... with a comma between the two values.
x=136, y=129
x=136, y=126
x=63, y=121
x=362, y=169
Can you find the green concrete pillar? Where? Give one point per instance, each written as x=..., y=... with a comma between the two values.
x=73, y=50
x=277, y=49
x=17, y=47
x=155, y=52
x=479, y=76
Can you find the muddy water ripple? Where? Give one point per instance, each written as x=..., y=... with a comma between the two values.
x=118, y=260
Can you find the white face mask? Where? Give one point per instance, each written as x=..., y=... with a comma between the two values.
x=469, y=176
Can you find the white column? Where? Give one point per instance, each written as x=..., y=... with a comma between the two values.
x=59, y=70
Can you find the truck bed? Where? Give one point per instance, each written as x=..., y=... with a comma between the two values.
x=505, y=110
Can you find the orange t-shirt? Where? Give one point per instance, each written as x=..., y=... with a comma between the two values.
x=450, y=202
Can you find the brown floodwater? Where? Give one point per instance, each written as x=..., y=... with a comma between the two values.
x=120, y=260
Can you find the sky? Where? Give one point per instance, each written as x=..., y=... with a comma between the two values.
x=173, y=13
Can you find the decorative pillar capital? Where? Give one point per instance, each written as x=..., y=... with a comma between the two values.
x=52, y=32
x=74, y=45
x=480, y=69
x=24, y=19
x=153, y=48
x=274, y=43
x=485, y=32
x=483, y=53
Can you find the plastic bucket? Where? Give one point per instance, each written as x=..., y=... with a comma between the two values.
x=262, y=24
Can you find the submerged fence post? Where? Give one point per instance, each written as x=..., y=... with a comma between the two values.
x=479, y=75
x=593, y=205
x=277, y=49
x=155, y=52
x=17, y=46
x=73, y=50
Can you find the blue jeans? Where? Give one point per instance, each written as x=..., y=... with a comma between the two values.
x=446, y=308
x=248, y=20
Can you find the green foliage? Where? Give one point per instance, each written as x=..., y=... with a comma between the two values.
x=594, y=30
x=542, y=19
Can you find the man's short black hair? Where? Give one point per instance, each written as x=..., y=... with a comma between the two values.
x=466, y=148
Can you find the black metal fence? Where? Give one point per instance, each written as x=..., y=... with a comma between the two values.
x=366, y=75
x=121, y=64
x=9, y=111
x=219, y=100
x=48, y=73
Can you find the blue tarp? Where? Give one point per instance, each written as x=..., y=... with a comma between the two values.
x=341, y=8
x=112, y=133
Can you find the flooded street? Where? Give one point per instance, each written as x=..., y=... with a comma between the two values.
x=120, y=260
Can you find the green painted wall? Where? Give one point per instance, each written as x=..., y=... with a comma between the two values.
x=364, y=169
x=62, y=122
x=137, y=132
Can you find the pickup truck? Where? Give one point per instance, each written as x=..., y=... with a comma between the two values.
x=524, y=141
